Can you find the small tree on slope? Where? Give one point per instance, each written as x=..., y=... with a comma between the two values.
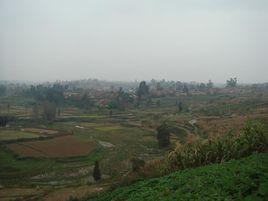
x=96, y=171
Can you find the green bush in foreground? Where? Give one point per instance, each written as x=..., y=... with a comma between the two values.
x=245, y=179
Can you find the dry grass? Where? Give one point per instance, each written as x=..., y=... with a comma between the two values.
x=19, y=193
x=219, y=127
x=197, y=152
x=40, y=131
x=75, y=192
x=231, y=146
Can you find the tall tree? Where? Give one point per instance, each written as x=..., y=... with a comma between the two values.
x=96, y=171
x=143, y=90
x=180, y=106
x=49, y=111
x=3, y=90
x=185, y=89
x=232, y=82
x=210, y=84
x=163, y=135
x=35, y=112
x=3, y=121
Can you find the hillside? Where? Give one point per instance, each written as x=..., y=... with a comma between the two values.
x=245, y=179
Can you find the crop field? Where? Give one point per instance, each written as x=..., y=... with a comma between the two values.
x=11, y=135
x=59, y=156
x=64, y=146
x=40, y=131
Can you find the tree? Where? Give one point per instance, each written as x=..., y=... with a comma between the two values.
x=180, y=106
x=202, y=86
x=185, y=89
x=96, y=171
x=110, y=113
x=35, y=112
x=85, y=102
x=49, y=111
x=232, y=82
x=163, y=135
x=8, y=108
x=210, y=84
x=119, y=99
x=3, y=90
x=3, y=121
x=143, y=90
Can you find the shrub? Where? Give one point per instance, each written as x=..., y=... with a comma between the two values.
x=71, y=198
x=96, y=171
x=137, y=164
x=163, y=135
x=221, y=149
x=197, y=152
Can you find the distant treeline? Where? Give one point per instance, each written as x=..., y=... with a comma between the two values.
x=93, y=93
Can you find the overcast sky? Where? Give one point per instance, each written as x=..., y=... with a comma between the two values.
x=188, y=40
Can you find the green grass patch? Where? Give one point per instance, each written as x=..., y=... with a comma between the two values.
x=12, y=168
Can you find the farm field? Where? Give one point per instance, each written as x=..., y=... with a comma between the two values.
x=11, y=135
x=65, y=146
x=133, y=100
x=44, y=160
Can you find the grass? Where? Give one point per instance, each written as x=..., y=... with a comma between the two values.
x=245, y=179
x=127, y=140
x=12, y=168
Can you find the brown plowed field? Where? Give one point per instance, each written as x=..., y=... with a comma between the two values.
x=64, y=146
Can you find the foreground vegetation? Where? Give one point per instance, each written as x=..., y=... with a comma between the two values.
x=199, y=152
x=244, y=179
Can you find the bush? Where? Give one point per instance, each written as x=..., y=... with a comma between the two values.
x=71, y=198
x=197, y=152
x=137, y=163
x=4, y=120
x=221, y=149
x=244, y=179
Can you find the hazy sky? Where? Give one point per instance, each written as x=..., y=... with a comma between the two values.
x=134, y=39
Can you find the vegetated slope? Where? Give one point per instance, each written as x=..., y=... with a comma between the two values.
x=245, y=179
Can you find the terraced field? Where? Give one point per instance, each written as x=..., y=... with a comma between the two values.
x=64, y=146
x=62, y=160
x=11, y=135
